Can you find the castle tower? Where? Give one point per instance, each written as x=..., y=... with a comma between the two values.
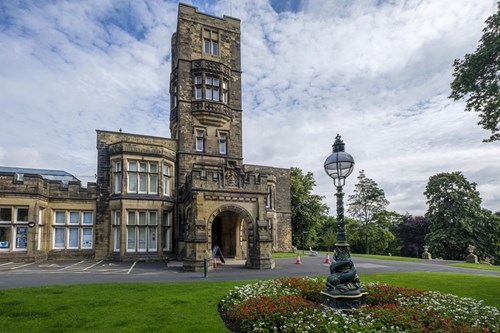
x=220, y=206
x=205, y=91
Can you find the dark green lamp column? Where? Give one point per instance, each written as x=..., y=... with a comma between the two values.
x=343, y=288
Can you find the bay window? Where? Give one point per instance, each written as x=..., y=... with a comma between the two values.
x=117, y=221
x=167, y=180
x=167, y=231
x=142, y=177
x=117, y=177
x=210, y=87
x=142, y=230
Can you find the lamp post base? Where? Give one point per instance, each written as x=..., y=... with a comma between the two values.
x=346, y=301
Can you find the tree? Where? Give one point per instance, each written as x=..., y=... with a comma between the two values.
x=454, y=206
x=411, y=232
x=487, y=236
x=308, y=210
x=328, y=233
x=367, y=206
x=477, y=78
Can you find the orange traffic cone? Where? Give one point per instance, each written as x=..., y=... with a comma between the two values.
x=328, y=261
x=215, y=262
x=298, y=262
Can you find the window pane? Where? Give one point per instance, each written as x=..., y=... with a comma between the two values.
x=4, y=237
x=22, y=214
x=167, y=238
x=73, y=237
x=153, y=184
x=118, y=166
x=199, y=94
x=142, y=218
x=215, y=46
x=143, y=183
x=152, y=239
x=153, y=218
x=198, y=80
x=132, y=182
x=118, y=218
x=21, y=237
x=222, y=147
x=132, y=166
x=166, y=185
x=207, y=46
x=216, y=81
x=59, y=237
x=5, y=214
x=199, y=144
x=131, y=238
x=216, y=94
x=131, y=217
x=60, y=218
x=153, y=167
x=209, y=80
x=142, y=239
x=73, y=218
x=118, y=183
x=88, y=218
x=116, y=238
x=143, y=167
x=166, y=170
x=87, y=237
x=208, y=93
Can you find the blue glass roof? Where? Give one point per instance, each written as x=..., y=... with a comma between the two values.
x=59, y=175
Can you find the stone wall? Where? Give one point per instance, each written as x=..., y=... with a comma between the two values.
x=42, y=197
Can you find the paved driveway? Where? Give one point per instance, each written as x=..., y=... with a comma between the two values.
x=14, y=275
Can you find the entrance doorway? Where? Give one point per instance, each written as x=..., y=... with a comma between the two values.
x=226, y=229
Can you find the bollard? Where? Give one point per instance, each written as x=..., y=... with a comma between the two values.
x=205, y=267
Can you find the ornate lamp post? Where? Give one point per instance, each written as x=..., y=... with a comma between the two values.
x=343, y=288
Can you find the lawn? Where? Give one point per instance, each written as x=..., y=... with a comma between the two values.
x=476, y=266
x=323, y=253
x=384, y=257
x=175, y=307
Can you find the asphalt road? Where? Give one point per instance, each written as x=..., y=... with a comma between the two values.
x=14, y=275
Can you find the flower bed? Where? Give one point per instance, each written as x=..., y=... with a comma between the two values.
x=293, y=305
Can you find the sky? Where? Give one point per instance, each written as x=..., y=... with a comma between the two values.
x=376, y=72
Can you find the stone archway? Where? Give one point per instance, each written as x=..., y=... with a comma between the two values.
x=228, y=228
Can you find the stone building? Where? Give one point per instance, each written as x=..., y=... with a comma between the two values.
x=156, y=198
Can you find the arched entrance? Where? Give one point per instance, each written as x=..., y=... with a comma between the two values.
x=229, y=231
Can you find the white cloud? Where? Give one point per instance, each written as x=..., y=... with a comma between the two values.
x=376, y=72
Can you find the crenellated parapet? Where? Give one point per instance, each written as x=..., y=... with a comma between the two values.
x=225, y=180
x=16, y=184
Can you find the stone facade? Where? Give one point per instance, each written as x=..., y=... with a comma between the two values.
x=29, y=204
x=158, y=198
